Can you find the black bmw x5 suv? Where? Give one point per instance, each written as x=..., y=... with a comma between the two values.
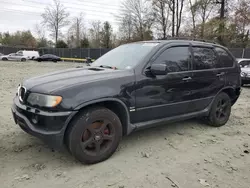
x=132, y=87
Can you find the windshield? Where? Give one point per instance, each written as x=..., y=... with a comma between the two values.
x=126, y=56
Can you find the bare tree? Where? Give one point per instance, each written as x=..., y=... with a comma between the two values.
x=140, y=14
x=242, y=21
x=39, y=30
x=126, y=28
x=193, y=6
x=171, y=4
x=161, y=13
x=176, y=7
x=179, y=10
x=55, y=18
x=204, y=10
x=106, y=35
x=41, y=35
x=76, y=31
x=95, y=34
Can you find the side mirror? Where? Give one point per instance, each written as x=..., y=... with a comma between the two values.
x=159, y=69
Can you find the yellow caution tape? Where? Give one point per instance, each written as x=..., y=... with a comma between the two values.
x=74, y=59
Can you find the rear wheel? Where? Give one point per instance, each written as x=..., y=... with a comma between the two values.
x=220, y=111
x=94, y=136
x=23, y=59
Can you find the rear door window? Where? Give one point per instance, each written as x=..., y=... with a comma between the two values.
x=225, y=59
x=204, y=58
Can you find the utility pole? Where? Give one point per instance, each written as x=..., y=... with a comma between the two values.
x=222, y=20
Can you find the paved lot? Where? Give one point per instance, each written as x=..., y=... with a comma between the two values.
x=186, y=155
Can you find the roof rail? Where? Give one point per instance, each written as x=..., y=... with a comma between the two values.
x=189, y=38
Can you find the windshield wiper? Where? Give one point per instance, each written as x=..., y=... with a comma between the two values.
x=108, y=67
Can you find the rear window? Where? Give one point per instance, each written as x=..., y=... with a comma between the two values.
x=225, y=59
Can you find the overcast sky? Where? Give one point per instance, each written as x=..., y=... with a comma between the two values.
x=24, y=14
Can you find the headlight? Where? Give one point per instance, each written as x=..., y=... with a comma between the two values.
x=44, y=100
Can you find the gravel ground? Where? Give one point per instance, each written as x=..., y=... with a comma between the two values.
x=187, y=154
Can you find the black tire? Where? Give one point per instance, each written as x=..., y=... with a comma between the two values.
x=4, y=59
x=220, y=111
x=85, y=148
x=23, y=59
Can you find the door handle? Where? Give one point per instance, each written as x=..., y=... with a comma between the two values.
x=186, y=78
x=220, y=74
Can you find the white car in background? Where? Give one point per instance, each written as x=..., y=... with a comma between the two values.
x=243, y=62
x=14, y=57
x=245, y=70
x=29, y=54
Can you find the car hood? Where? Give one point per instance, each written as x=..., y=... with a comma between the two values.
x=58, y=80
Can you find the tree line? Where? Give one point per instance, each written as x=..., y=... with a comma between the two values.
x=141, y=20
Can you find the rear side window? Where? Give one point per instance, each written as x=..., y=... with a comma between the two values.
x=204, y=58
x=177, y=59
x=225, y=59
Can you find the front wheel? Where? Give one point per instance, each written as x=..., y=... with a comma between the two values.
x=4, y=59
x=220, y=111
x=94, y=136
x=23, y=59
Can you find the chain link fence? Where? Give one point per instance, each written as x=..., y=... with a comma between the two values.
x=7, y=49
x=95, y=53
